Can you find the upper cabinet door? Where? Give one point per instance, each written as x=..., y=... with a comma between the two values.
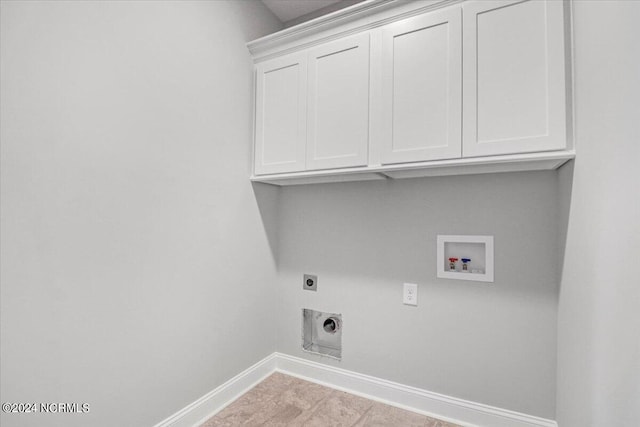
x=514, y=77
x=338, y=109
x=281, y=105
x=422, y=88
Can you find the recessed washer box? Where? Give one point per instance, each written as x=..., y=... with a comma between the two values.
x=465, y=257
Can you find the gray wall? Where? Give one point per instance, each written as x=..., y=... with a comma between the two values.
x=490, y=343
x=599, y=309
x=135, y=263
x=137, y=260
x=321, y=12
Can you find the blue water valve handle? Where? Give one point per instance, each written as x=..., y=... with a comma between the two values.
x=466, y=260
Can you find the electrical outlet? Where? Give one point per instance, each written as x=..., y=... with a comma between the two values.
x=410, y=294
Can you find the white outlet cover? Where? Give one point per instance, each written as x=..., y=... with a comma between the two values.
x=410, y=294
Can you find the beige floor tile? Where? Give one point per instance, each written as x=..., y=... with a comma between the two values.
x=337, y=410
x=275, y=384
x=284, y=416
x=305, y=395
x=250, y=409
x=282, y=400
x=381, y=415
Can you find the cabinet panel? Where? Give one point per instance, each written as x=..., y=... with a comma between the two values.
x=281, y=98
x=338, y=110
x=422, y=88
x=478, y=85
x=514, y=77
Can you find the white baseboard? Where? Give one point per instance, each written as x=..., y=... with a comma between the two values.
x=208, y=405
x=447, y=408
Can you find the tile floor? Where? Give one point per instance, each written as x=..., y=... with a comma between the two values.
x=282, y=400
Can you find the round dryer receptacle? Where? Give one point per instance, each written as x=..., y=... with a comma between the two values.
x=331, y=325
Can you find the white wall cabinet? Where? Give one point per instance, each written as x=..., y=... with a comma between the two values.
x=281, y=121
x=514, y=77
x=338, y=104
x=422, y=88
x=414, y=89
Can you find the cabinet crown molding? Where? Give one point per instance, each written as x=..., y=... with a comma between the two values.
x=341, y=23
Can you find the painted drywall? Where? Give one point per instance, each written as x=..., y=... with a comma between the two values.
x=136, y=267
x=493, y=343
x=599, y=306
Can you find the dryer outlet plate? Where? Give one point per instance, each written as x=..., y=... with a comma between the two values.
x=310, y=282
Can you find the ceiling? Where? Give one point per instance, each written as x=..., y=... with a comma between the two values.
x=288, y=10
